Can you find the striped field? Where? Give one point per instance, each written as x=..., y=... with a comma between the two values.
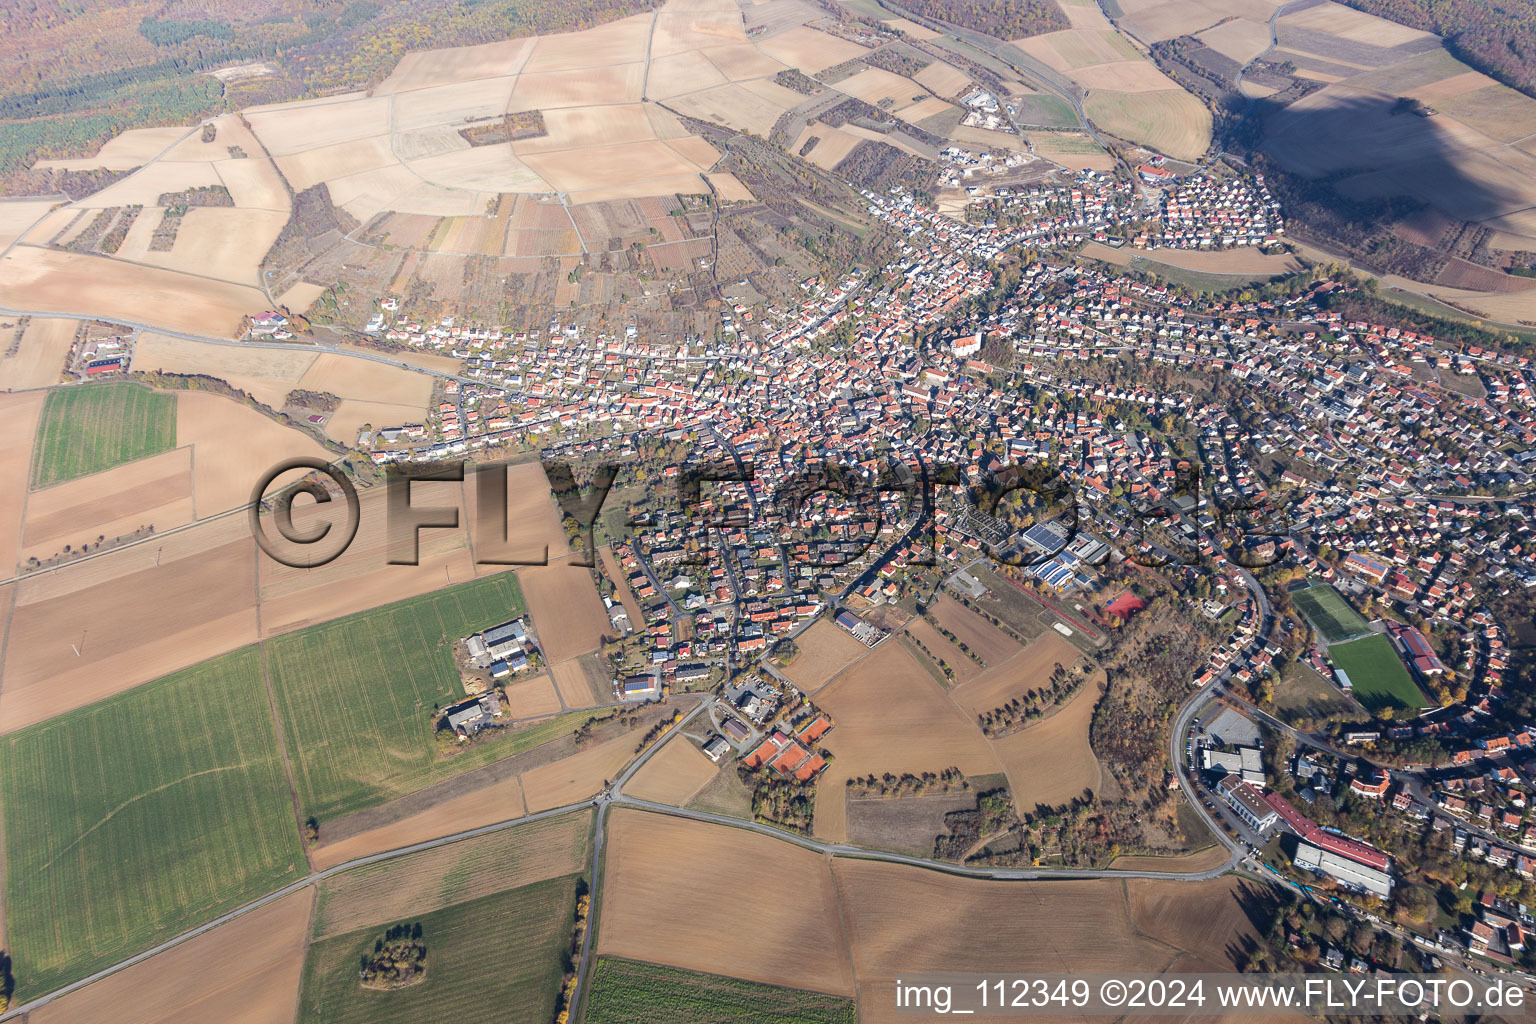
x=141, y=816
x=87, y=429
x=358, y=696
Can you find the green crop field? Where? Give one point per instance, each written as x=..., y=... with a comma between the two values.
x=498, y=958
x=1329, y=613
x=357, y=695
x=93, y=427
x=141, y=816
x=626, y=992
x=1378, y=675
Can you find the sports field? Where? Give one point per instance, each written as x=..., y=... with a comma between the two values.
x=141, y=816
x=358, y=696
x=497, y=958
x=1379, y=677
x=625, y=992
x=86, y=429
x=1329, y=613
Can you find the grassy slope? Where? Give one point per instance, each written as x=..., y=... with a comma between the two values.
x=497, y=958
x=140, y=816
x=87, y=429
x=626, y=992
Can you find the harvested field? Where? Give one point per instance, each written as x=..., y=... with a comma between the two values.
x=1089, y=924
x=809, y=49
x=1029, y=669
x=567, y=613
x=133, y=148
x=892, y=717
x=377, y=382
x=578, y=127
x=424, y=68
x=579, y=776
x=67, y=282
x=994, y=646
x=906, y=825
x=92, y=427
x=1496, y=110
x=910, y=28
x=741, y=61
x=614, y=84
x=584, y=681
x=1052, y=762
x=735, y=106
x=227, y=244
x=187, y=815
x=832, y=145
x=361, y=577
x=664, y=877
x=39, y=357
x=729, y=188
x=154, y=491
x=603, y=46
x=533, y=698
x=825, y=650
x=254, y=184
x=20, y=412
x=286, y=128
x=267, y=375
x=610, y=167
x=674, y=775
x=484, y=806
x=18, y=215
x=881, y=88
x=151, y=609
x=1171, y=121
x=430, y=880
x=340, y=160
x=1124, y=76
x=232, y=446
x=1240, y=39
x=1356, y=26
x=943, y=79
x=243, y=972
x=680, y=74
x=964, y=668
x=1206, y=919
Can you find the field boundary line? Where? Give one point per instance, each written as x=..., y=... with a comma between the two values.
x=277, y=726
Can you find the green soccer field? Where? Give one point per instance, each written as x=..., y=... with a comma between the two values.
x=93, y=427
x=497, y=959
x=1378, y=675
x=141, y=816
x=626, y=992
x=1329, y=613
x=356, y=697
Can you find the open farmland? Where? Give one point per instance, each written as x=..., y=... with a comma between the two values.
x=20, y=413
x=566, y=610
x=267, y=375
x=155, y=492
x=357, y=696
x=990, y=643
x=140, y=816
x=94, y=628
x=38, y=358
x=87, y=429
x=1329, y=613
x=1206, y=920
x=625, y=992
x=891, y=717
x=1170, y=121
x=825, y=650
x=244, y=972
x=1029, y=669
x=661, y=900
x=1378, y=675
x=497, y=958
x=1089, y=924
x=1052, y=762
x=674, y=774
x=469, y=869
